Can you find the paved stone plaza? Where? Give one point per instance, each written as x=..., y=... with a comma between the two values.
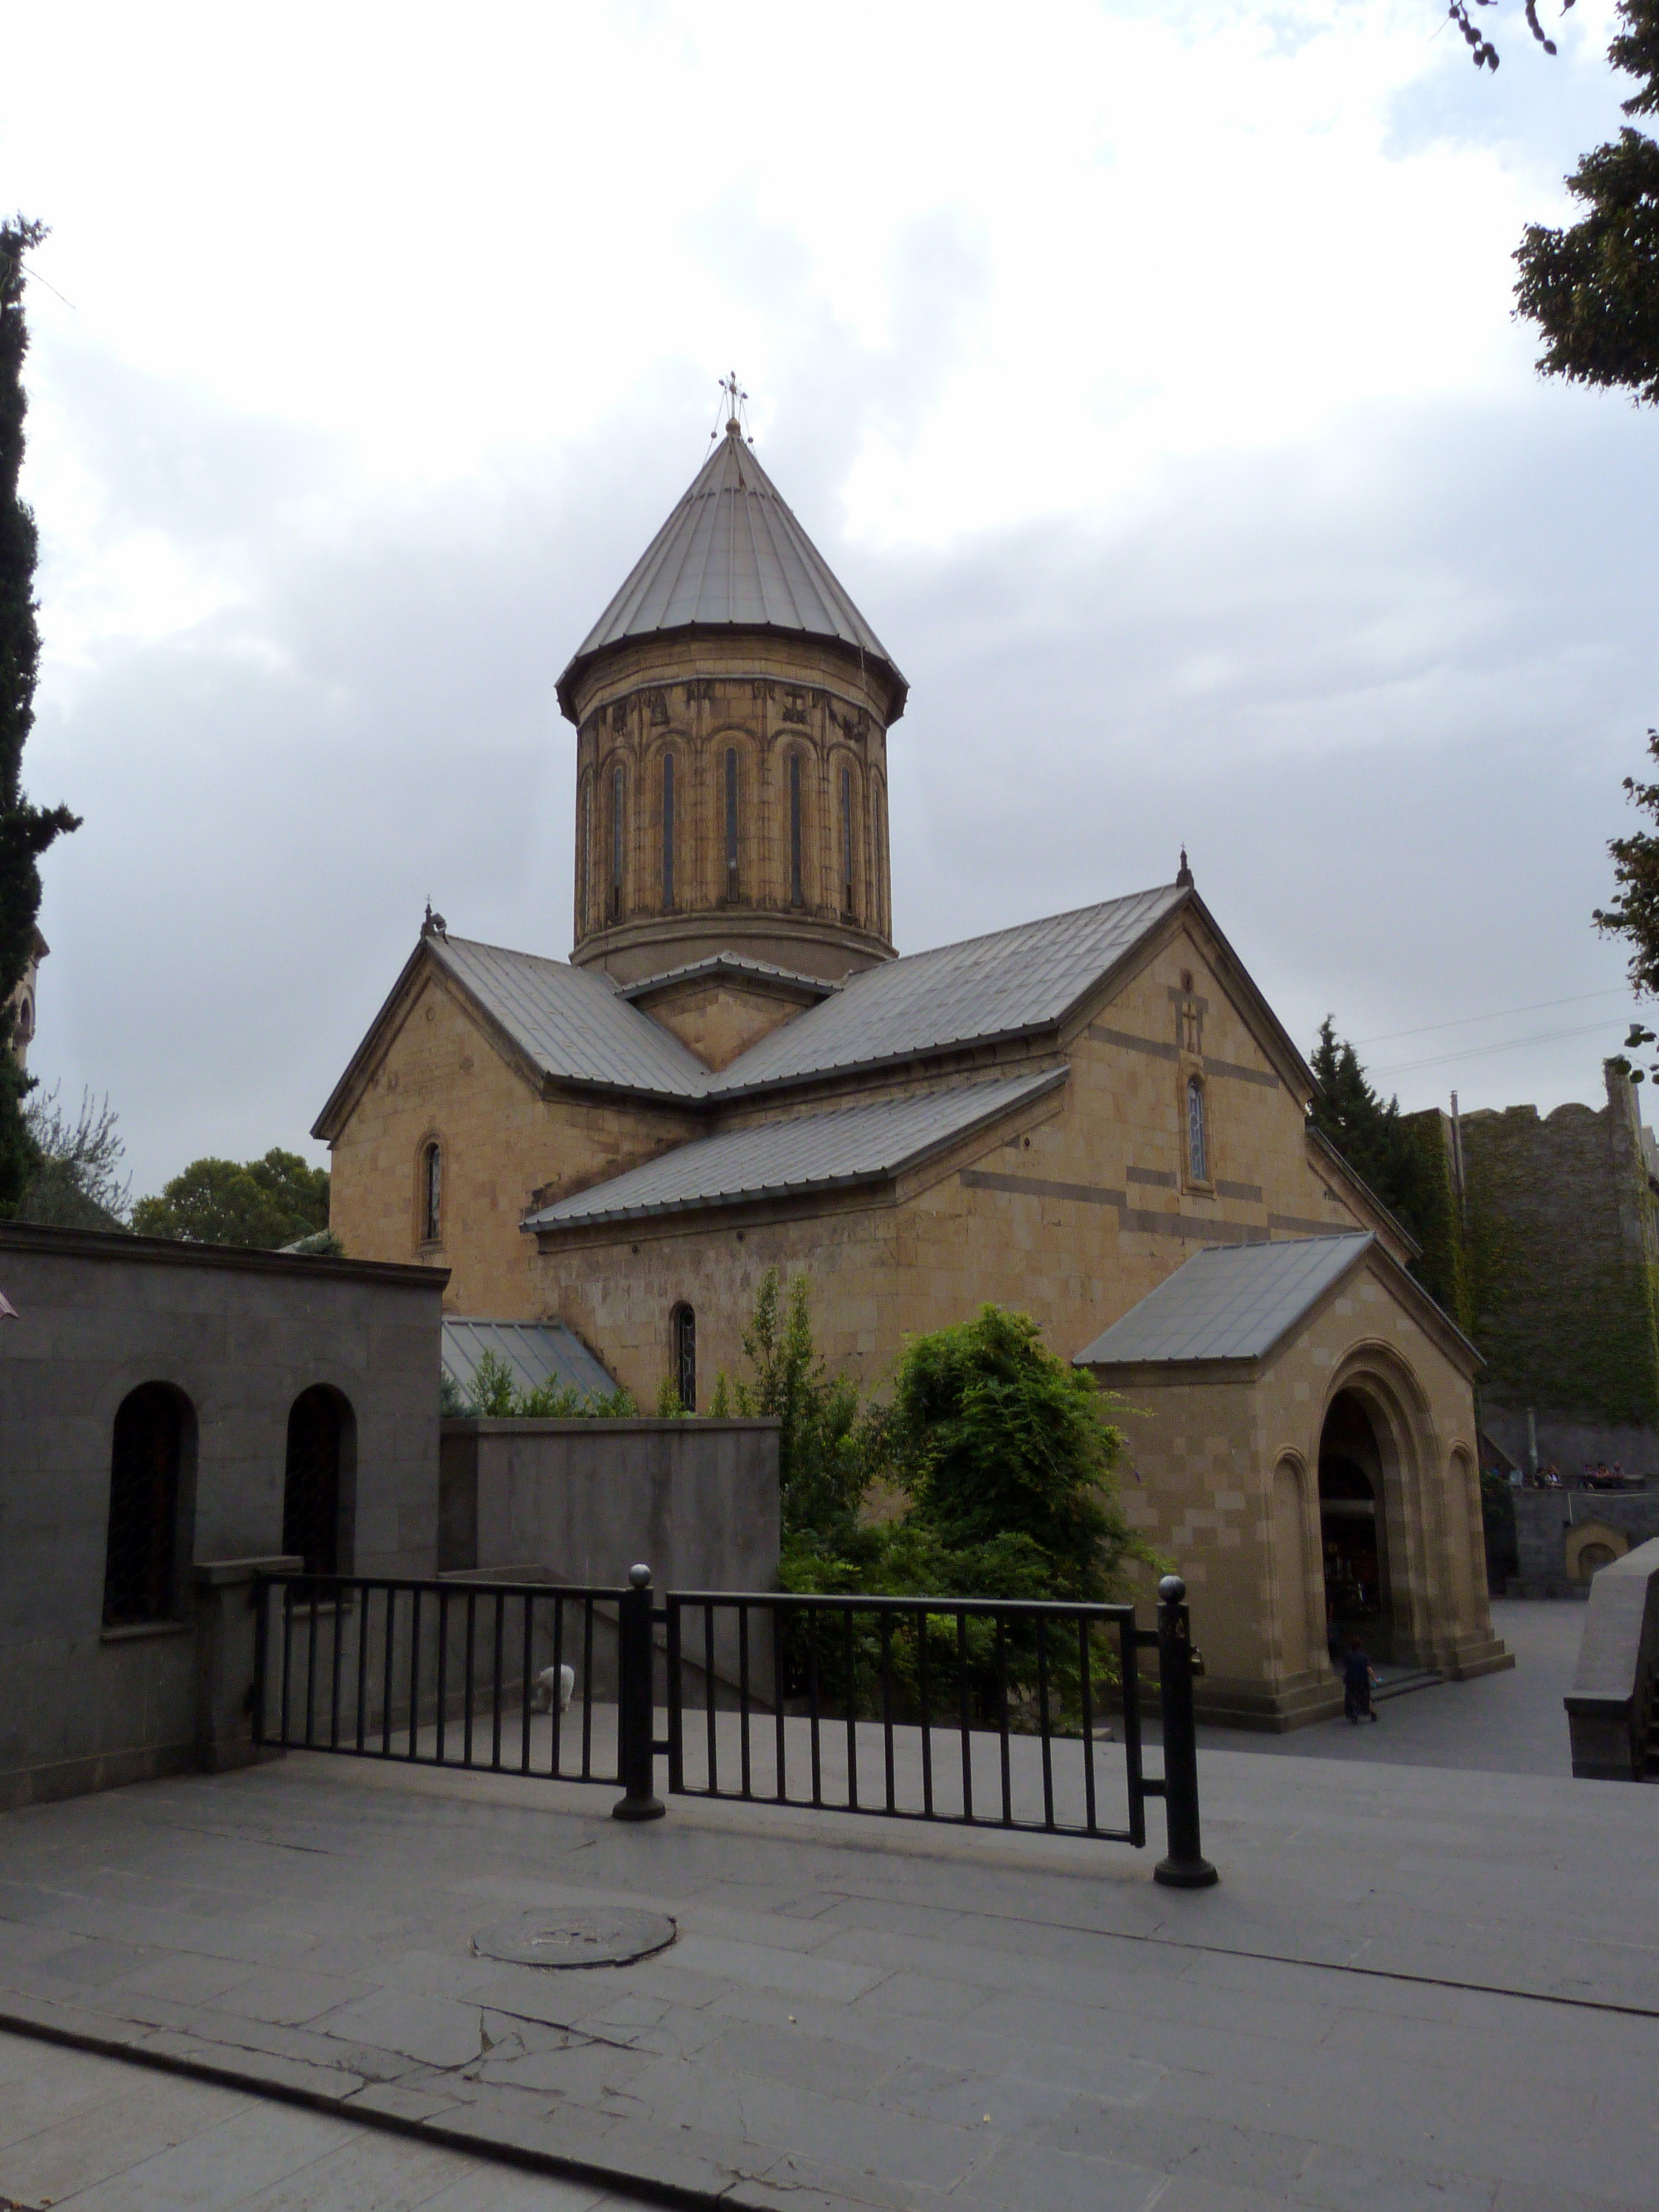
x=1415, y=1987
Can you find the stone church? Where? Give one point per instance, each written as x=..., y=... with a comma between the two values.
x=1096, y=1118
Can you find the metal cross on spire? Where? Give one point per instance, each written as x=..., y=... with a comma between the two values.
x=735, y=402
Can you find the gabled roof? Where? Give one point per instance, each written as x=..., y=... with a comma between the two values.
x=731, y=556
x=573, y=1022
x=1232, y=1301
x=534, y=1352
x=729, y=967
x=816, y=1151
x=1003, y=985
x=570, y=1024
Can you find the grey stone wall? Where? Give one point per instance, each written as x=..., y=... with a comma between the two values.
x=241, y=1334
x=1567, y=1320
x=583, y=1501
x=1544, y=1519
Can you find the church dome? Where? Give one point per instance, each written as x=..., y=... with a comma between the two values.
x=731, y=557
x=731, y=707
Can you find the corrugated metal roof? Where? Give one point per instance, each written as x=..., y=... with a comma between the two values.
x=1232, y=1302
x=988, y=987
x=731, y=556
x=855, y=1144
x=535, y=1352
x=572, y=1022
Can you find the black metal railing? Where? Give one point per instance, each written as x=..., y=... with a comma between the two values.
x=979, y=1712
x=440, y=1673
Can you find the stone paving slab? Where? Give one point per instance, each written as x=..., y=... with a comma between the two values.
x=1413, y=1988
x=84, y=2134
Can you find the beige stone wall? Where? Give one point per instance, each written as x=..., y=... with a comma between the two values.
x=1223, y=1477
x=719, y=1020
x=442, y=1077
x=1071, y=1212
x=695, y=699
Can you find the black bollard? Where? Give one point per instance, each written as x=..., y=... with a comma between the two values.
x=1186, y=1866
x=635, y=1703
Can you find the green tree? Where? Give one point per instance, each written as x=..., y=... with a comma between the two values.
x=262, y=1204
x=995, y=1437
x=78, y=1183
x=26, y=831
x=825, y=1455
x=1592, y=286
x=1348, y=1112
x=1633, y=913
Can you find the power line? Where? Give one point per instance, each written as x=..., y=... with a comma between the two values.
x=1462, y=1021
x=1480, y=1051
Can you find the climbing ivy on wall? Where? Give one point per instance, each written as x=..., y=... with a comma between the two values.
x=1568, y=1317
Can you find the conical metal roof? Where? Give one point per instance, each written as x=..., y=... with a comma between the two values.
x=731, y=556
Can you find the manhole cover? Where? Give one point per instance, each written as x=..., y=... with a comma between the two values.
x=555, y=1936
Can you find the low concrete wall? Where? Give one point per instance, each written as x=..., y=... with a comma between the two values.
x=1611, y=1701
x=1546, y=1522
x=583, y=1501
x=240, y=1334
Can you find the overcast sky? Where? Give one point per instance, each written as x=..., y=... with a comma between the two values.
x=1146, y=372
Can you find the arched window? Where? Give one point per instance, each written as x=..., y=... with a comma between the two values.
x=685, y=1357
x=616, y=828
x=731, y=822
x=25, y=1019
x=796, y=897
x=667, y=832
x=148, y=1538
x=1198, y=1135
x=847, y=841
x=432, y=1193
x=317, y=1484
x=584, y=852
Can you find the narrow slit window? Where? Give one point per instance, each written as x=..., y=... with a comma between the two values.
x=1198, y=1148
x=847, y=841
x=583, y=858
x=432, y=1194
x=797, y=896
x=615, y=844
x=731, y=822
x=667, y=831
x=685, y=1357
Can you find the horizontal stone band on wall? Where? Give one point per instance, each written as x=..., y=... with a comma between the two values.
x=1129, y=1217
x=1228, y=1070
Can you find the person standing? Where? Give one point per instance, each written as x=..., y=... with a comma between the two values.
x=1357, y=1685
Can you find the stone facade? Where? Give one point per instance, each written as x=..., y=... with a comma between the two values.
x=240, y=1335
x=806, y=726
x=732, y=876
x=1223, y=1475
x=1571, y=1329
x=1072, y=1209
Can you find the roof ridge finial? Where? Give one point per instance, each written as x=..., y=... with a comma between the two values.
x=735, y=401
x=1183, y=874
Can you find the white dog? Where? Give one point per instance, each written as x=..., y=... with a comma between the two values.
x=561, y=1681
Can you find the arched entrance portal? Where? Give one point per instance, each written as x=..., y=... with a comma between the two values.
x=1352, y=1529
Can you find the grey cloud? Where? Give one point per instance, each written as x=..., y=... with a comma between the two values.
x=1383, y=686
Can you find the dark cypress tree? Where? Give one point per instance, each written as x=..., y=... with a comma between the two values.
x=25, y=830
x=1347, y=1111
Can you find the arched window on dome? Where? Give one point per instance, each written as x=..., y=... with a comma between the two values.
x=668, y=833
x=1198, y=1134
x=846, y=907
x=584, y=853
x=797, y=892
x=731, y=822
x=617, y=796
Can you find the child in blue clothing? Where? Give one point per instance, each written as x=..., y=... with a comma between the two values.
x=1356, y=1684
